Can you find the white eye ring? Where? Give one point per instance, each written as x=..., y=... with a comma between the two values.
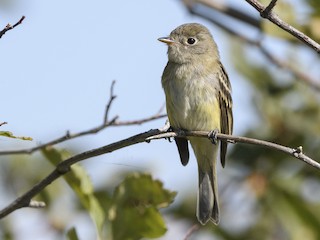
x=191, y=41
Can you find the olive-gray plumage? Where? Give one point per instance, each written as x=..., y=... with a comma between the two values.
x=198, y=97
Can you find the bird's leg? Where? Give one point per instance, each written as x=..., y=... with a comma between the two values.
x=213, y=136
x=166, y=127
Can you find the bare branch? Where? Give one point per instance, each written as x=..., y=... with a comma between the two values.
x=65, y=166
x=272, y=58
x=3, y=123
x=268, y=14
x=10, y=27
x=295, y=152
x=69, y=136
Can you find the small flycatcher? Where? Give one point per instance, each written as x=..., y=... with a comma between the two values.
x=198, y=97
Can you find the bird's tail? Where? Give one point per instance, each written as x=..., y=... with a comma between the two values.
x=207, y=208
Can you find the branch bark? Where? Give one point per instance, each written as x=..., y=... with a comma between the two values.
x=10, y=27
x=3, y=123
x=65, y=166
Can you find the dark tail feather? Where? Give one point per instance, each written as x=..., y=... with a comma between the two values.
x=208, y=208
x=183, y=149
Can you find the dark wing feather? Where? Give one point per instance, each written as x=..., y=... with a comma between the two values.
x=226, y=116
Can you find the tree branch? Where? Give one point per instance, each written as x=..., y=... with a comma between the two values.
x=295, y=152
x=10, y=27
x=307, y=79
x=65, y=166
x=268, y=14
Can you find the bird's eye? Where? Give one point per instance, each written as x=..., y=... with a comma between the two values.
x=191, y=41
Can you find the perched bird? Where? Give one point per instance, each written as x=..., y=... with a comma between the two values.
x=198, y=97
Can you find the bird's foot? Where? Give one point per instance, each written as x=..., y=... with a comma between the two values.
x=213, y=136
x=167, y=128
x=180, y=132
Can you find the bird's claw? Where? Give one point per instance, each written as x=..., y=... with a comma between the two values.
x=169, y=139
x=213, y=136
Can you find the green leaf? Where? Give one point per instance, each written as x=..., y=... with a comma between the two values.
x=135, y=210
x=81, y=184
x=10, y=135
x=136, y=223
x=143, y=190
x=72, y=234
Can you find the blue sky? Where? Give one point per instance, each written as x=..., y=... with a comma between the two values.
x=58, y=65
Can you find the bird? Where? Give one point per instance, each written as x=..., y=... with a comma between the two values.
x=198, y=98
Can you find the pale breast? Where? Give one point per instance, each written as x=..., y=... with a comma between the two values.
x=192, y=103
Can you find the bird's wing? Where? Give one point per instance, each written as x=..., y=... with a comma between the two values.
x=225, y=102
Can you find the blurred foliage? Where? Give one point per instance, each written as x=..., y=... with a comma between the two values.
x=72, y=234
x=290, y=115
x=265, y=194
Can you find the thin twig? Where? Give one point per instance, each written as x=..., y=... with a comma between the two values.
x=139, y=121
x=106, y=123
x=65, y=166
x=265, y=13
x=3, y=123
x=191, y=230
x=69, y=136
x=285, y=26
x=10, y=27
x=111, y=99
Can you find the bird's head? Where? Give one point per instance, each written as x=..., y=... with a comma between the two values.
x=190, y=42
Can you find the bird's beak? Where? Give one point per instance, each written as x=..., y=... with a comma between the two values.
x=166, y=40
